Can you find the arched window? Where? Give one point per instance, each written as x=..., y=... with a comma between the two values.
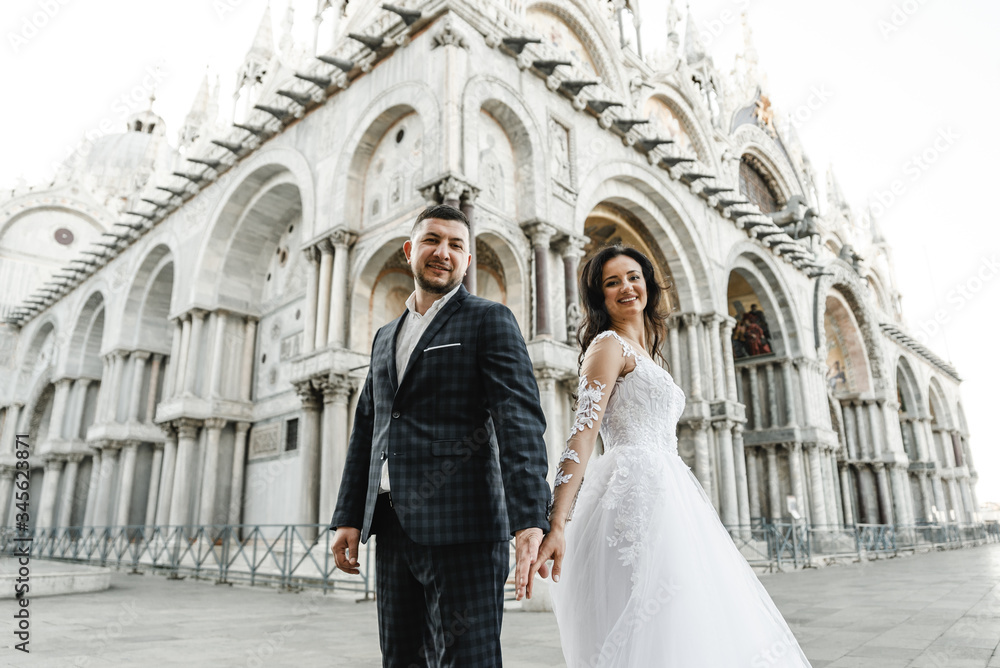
x=756, y=187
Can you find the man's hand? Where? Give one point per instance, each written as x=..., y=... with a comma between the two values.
x=526, y=542
x=345, y=549
x=554, y=548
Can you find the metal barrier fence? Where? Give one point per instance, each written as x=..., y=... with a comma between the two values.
x=298, y=555
x=287, y=555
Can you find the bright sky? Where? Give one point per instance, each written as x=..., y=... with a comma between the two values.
x=910, y=90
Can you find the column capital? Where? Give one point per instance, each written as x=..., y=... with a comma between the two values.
x=130, y=445
x=336, y=388
x=539, y=233
x=711, y=319
x=698, y=424
x=722, y=425
x=690, y=319
x=215, y=423
x=187, y=428
x=75, y=457
x=324, y=246
x=168, y=429
x=53, y=460
x=738, y=428
x=110, y=446
x=64, y=381
x=728, y=324
x=306, y=390
x=448, y=186
x=343, y=237
x=571, y=245
x=242, y=428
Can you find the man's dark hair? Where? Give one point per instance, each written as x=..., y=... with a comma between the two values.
x=441, y=212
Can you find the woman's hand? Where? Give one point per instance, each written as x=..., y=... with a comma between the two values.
x=553, y=547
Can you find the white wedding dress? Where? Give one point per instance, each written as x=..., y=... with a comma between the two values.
x=651, y=577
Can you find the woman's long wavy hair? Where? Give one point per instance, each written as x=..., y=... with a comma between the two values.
x=595, y=314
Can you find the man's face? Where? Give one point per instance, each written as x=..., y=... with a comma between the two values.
x=438, y=254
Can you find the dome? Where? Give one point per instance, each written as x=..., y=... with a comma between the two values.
x=146, y=122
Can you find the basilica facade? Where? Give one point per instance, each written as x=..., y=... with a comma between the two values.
x=188, y=322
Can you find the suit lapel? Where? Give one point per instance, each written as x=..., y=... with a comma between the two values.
x=437, y=323
x=390, y=351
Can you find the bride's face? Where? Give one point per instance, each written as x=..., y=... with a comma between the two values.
x=624, y=288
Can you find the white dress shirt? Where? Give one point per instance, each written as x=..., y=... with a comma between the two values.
x=413, y=327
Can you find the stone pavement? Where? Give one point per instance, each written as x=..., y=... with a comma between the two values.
x=940, y=609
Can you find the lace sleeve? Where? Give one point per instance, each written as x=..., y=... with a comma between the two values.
x=604, y=362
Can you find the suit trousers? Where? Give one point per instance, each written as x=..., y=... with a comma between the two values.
x=438, y=606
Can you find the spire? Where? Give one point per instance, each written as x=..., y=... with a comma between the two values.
x=694, y=50
x=263, y=42
x=204, y=111
x=673, y=19
x=287, y=42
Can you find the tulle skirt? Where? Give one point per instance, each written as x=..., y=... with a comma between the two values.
x=683, y=598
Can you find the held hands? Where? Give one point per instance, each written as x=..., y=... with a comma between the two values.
x=345, y=549
x=554, y=548
x=526, y=542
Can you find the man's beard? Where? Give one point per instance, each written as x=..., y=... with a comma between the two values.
x=435, y=288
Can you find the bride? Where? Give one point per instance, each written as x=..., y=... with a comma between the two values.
x=647, y=575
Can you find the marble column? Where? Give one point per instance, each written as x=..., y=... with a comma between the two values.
x=702, y=463
x=786, y=373
x=927, y=495
x=548, y=394
x=939, y=500
x=59, y=403
x=772, y=396
x=109, y=471
x=830, y=486
x=50, y=486
x=468, y=207
x=540, y=234
x=239, y=464
x=6, y=492
x=221, y=322
x=729, y=509
x=342, y=240
x=183, y=489
x=336, y=395
x=154, y=380
x=956, y=500
x=753, y=476
x=249, y=345
x=183, y=362
x=120, y=362
x=845, y=492
x=167, y=472
x=900, y=490
x=64, y=515
x=711, y=323
x=965, y=491
x=795, y=473
x=742, y=485
x=884, y=498
x=773, y=486
x=210, y=474
x=195, y=358
x=850, y=430
x=729, y=368
x=323, y=300
x=154, y=488
x=673, y=335
x=571, y=248
x=309, y=459
x=817, y=486
x=861, y=418
x=312, y=300
x=139, y=358
x=10, y=429
x=802, y=366
x=129, y=451
x=170, y=377
x=755, y=412
x=93, y=489
x=100, y=415
x=878, y=443
x=691, y=325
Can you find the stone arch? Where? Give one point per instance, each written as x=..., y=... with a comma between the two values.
x=342, y=199
x=499, y=255
x=493, y=96
x=234, y=261
x=910, y=410
x=151, y=286
x=688, y=121
x=842, y=278
x=381, y=277
x=41, y=354
x=647, y=198
x=846, y=354
x=591, y=30
x=941, y=422
x=751, y=140
x=86, y=343
x=760, y=273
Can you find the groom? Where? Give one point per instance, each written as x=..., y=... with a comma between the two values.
x=446, y=461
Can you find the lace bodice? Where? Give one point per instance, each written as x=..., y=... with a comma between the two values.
x=644, y=406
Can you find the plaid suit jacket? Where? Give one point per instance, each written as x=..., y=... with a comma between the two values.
x=462, y=431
